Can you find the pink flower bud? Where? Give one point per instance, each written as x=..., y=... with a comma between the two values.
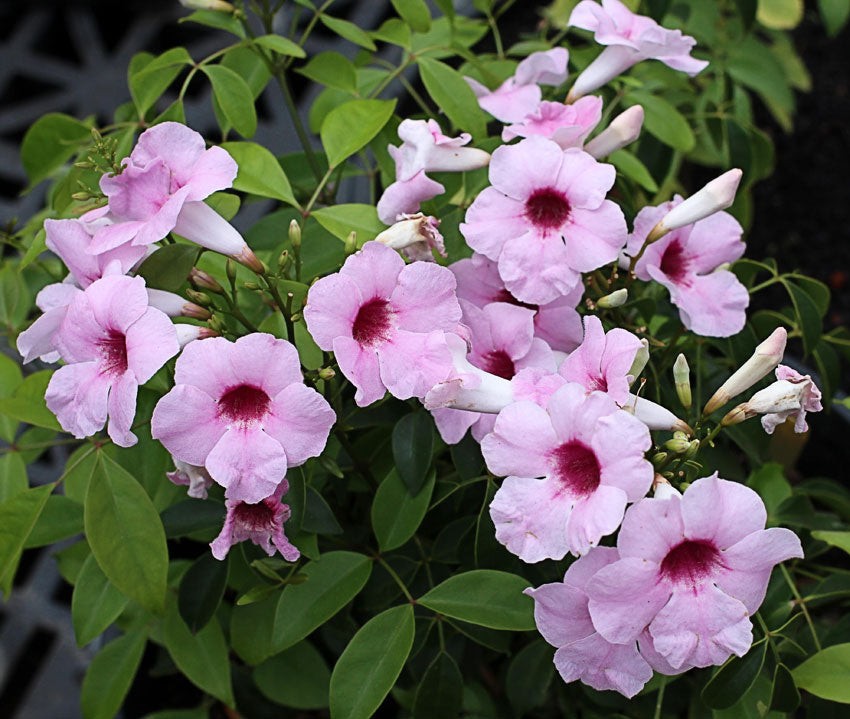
x=623, y=130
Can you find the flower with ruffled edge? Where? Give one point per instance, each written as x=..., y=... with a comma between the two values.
x=567, y=125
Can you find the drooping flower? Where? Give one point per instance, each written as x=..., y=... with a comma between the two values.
x=603, y=360
x=416, y=236
x=556, y=322
x=112, y=342
x=520, y=94
x=630, y=39
x=693, y=570
x=711, y=301
x=567, y=125
x=574, y=466
x=545, y=218
x=261, y=522
x=241, y=410
x=162, y=187
x=197, y=479
x=385, y=322
x=502, y=342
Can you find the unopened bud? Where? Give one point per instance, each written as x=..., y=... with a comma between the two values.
x=692, y=450
x=201, y=298
x=351, y=243
x=189, y=333
x=682, y=380
x=655, y=416
x=677, y=445
x=205, y=281
x=283, y=261
x=296, y=317
x=96, y=136
x=659, y=459
x=641, y=358
x=81, y=196
x=195, y=312
x=207, y=5
x=295, y=235
x=326, y=373
x=623, y=130
x=661, y=487
x=214, y=323
x=715, y=196
x=230, y=270
x=416, y=236
x=84, y=165
x=615, y=299
x=251, y=286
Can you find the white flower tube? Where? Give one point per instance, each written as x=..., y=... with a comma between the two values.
x=201, y=224
x=655, y=416
x=175, y=306
x=190, y=333
x=623, y=130
x=613, y=61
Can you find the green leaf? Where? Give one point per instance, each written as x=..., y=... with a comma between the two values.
x=331, y=582
x=393, y=31
x=202, y=657
x=332, y=69
x=632, y=167
x=663, y=120
x=201, y=590
x=413, y=443
x=259, y=172
x=780, y=14
x=396, y=515
x=297, y=678
x=234, y=98
x=95, y=603
x=192, y=515
x=251, y=627
x=340, y=220
x=752, y=64
x=168, y=267
x=149, y=79
x=371, y=663
x=834, y=14
x=486, y=597
x=18, y=516
x=50, y=142
x=217, y=19
x=62, y=517
x=734, y=678
x=415, y=13
x=13, y=475
x=348, y=30
x=126, y=535
x=318, y=516
x=529, y=676
x=440, y=692
x=816, y=290
x=825, y=674
x=769, y=481
x=453, y=96
x=37, y=246
x=349, y=127
x=281, y=45
x=834, y=539
x=15, y=300
x=786, y=696
x=809, y=319
x=110, y=675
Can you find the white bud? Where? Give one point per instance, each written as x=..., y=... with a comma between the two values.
x=615, y=299
x=655, y=416
x=641, y=358
x=611, y=62
x=207, y=5
x=623, y=130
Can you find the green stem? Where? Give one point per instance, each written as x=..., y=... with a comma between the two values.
x=660, y=699
x=398, y=580
x=322, y=182
x=802, y=603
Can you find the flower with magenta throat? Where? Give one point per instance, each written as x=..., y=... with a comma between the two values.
x=385, y=322
x=545, y=218
x=574, y=466
x=112, y=342
x=241, y=410
x=692, y=570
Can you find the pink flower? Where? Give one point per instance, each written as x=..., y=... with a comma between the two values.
x=112, y=342
x=590, y=456
x=560, y=612
x=196, y=478
x=161, y=189
x=711, y=301
x=416, y=236
x=385, y=322
x=556, y=322
x=567, y=125
x=545, y=218
x=630, y=39
x=241, y=410
x=261, y=522
x=693, y=570
x=502, y=342
x=603, y=360
x=520, y=94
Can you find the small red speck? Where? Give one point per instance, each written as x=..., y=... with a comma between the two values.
x=837, y=279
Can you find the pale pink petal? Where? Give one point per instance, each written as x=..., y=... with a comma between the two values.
x=77, y=395
x=537, y=269
x=175, y=143
x=602, y=665
x=453, y=423
x=654, y=659
x=361, y=368
x=248, y=463
x=721, y=511
x=712, y=306
x=214, y=171
x=595, y=516
x=332, y=306
x=575, y=415
x=540, y=355
x=560, y=613
x=478, y=280
x=511, y=328
x=300, y=419
x=279, y=367
x=117, y=301
x=651, y=528
x=114, y=236
x=122, y=409
x=585, y=180
x=594, y=237
x=713, y=241
x=522, y=439
x=425, y=299
x=511, y=102
x=38, y=339
x=138, y=193
x=519, y=170
x=213, y=355
x=413, y=362
x=224, y=541
x=558, y=323
x=151, y=341
x=76, y=339
x=405, y=197
x=374, y=269
x=544, y=68
x=186, y=422
x=491, y=220
x=630, y=472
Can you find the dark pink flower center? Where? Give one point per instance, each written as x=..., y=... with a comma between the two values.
x=597, y=383
x=254, y=517
x=373, y=322
x=244, y=404
x=577, y=468
x=547, y=208
x=498, y=363
x=690, y=562
x=505, y=296
x=113, y=351
x=674, y=263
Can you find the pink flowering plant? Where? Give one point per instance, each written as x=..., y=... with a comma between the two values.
x=513, y=432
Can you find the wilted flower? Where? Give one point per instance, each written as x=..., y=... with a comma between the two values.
x=416, y=236
x=196, y=478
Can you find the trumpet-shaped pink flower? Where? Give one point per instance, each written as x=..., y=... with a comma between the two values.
x=520, y=94
x=603, y=360
x=556, y=322
x=567, y=125
x=385, y=322
x=590, y=456
x=197, y=479
x=630, y=38
x=692, y=569
x=112, y=342
x=502, y=342
x=711, y=301
x=545, y=218
x=241, y=410
x=261, y=522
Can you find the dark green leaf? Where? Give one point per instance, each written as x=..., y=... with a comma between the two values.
x=332, y=69
x=15, y=300
x=281, y=45
x=18, y=516
x=529, y=676
x=440, y=692
x=663, y=120
x=747, y=10
x=834, y=14
x=168, y=267
x=110, y=675
x=825, y=674
x=234, y=97
x=349, y=127
x=251, y=628
x=61, y=518
x=192, y=515
x=148, y=80
x=752, y=64
x=734, y=678
x=415, y=13
x=126, y=535
x=413, y=443
x=297, y=678
x=348, y=30
x=259, y=172
x=786, y=696
x=371, y=663
x=453, y=96
x=484, y=596
x=217, y=19
x=396, y=515
x=318, y=516
x=49, y=143
x=95, y=603
x=809, y=319
x=201, y=590
x=835, y=539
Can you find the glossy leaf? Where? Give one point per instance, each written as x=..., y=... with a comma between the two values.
x=453, y=96
x=440, y=692
x=413, y=443
x=110, y=675
x=168, y=267
x=331, y=69
x=95, y=603
x=786, y=696
x=18, y=516
x=835, y=539
x=663, y=120
x=825, y=674
x=529, y=676
x=633, y=168
x=150, y=77
x=734, y=678
x=341, y=220
x=234, y=97
x=13, y=475
x=281, y=45
x=201, y=590
x=396, y=514
x=347, y=30
x=834, y=14
x=259, y=172
x=49, y=143
x=297, y=678
x=415, y=13
x=192, y=515
x=318, y=516
x=349, y=127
